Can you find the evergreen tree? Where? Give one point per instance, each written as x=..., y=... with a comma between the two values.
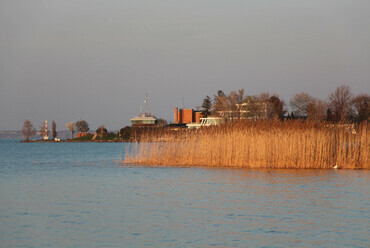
x=54, y=129
x=206, y=106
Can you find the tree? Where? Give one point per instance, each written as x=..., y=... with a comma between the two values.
x=162, y=122
x=340, y=103
x=28, y=130
x=264, y=97
x=299, y=104
x=329, y=115
x=254, y=108
x=54, y=129
x=361, y=107
x=232, y=109
x=316, y=110
x=275, y=108
x=125, y=133
x=82, y=126
x=233, y=98
x=206, y=106
x=240, y=96
x=71, y=127
x=220, y=103
x=220, y=93
x=101, y=131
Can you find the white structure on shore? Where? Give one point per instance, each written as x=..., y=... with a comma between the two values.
x=206, y=122
x=44, y=131
x=144, y=120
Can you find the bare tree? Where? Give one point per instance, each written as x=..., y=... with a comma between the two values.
x=226, y=105
x=162, y=122
x=71, y=127
x=240, y=96
x=264, y=97
x=316, y=109
x=54, y=129
x=28, y=130
x=253, y=108
x=361, y=107
x=220, y=103
x=340, y=103
x=300, y=103
x=232, y=100
x=82, y=126
x=233, y=97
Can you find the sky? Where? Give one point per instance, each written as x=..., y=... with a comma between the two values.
x=96, y=60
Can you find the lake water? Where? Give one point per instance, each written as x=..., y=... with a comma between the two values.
x=76, y=195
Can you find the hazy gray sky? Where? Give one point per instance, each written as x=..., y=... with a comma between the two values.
x=95, y=59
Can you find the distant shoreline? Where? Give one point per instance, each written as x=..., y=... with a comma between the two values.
x=75, y=141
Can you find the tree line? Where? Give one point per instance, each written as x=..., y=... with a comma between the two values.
x=28, y=129
x=125, y=134
x=340, y=106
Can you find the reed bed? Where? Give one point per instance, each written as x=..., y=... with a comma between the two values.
x=258, y=144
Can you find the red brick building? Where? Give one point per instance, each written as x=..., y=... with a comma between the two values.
x=185, y=116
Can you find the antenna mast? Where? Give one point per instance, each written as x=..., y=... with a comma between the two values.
x=146, y=105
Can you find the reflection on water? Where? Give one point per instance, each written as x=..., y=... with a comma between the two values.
x=78, y=197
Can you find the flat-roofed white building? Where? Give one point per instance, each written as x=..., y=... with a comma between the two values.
x=144, y=120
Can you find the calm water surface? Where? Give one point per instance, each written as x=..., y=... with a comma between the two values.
x=76, y=195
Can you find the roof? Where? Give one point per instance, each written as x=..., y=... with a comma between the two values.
x=144, y=118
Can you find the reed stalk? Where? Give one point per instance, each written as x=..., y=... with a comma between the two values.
x=259, y=144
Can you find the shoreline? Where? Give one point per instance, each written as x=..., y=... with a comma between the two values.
x=123, y=163
x=75, y=141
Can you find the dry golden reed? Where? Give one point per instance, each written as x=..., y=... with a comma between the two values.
x=258, y=144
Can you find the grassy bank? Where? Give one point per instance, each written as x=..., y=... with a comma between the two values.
x=259, y=144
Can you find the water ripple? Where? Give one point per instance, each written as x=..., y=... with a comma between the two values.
x=75, y=197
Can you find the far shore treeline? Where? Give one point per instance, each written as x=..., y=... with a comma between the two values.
x=341, y=106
